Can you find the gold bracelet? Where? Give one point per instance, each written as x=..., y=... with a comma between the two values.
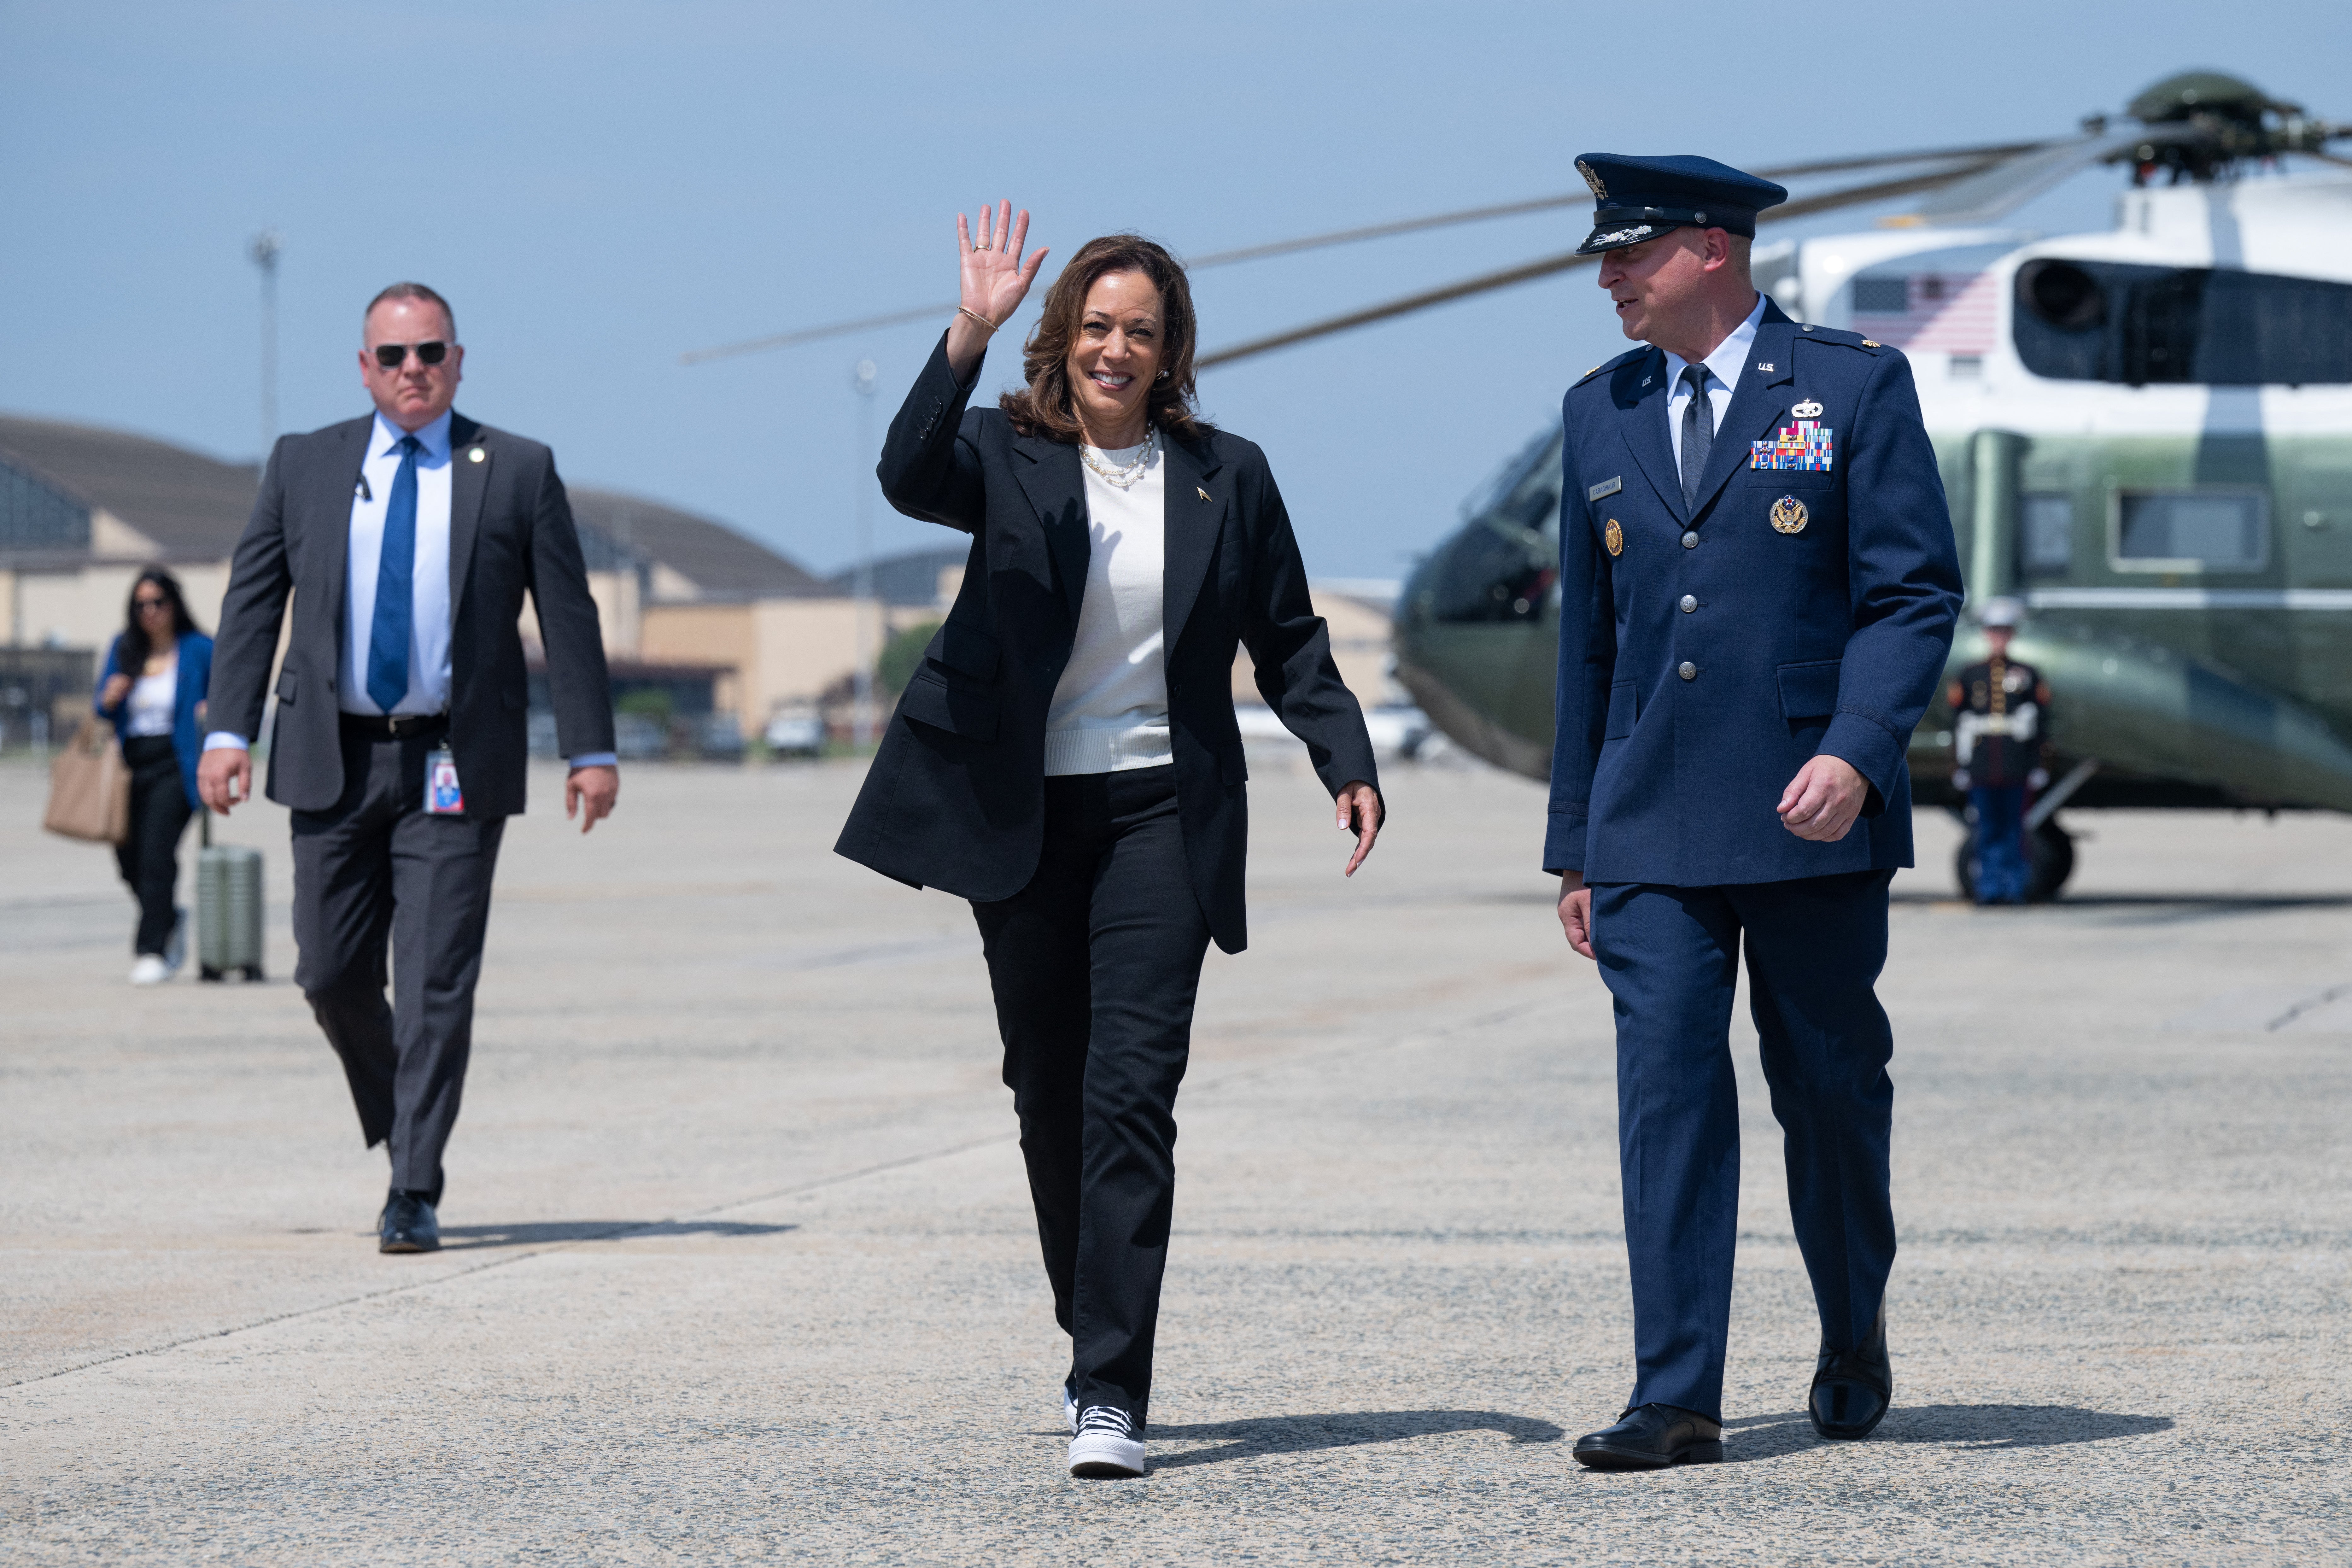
x=975, y=315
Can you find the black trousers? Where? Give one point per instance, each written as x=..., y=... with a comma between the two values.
x=376, y=878
x=149, y=856
x=1094, y=965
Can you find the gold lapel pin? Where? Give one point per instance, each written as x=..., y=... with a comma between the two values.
x=1205, y=495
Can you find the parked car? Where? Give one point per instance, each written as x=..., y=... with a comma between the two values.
x=795, y=733
x=636, y=736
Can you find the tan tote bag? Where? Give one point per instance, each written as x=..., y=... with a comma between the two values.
x=89, y=787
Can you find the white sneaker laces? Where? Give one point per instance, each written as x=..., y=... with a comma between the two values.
x=1107, y=1419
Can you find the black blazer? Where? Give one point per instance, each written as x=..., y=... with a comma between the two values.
x=509, y=530
x=955, y=798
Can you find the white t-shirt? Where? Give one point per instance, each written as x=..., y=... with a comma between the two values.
x=152, y=699
x=1109, y=711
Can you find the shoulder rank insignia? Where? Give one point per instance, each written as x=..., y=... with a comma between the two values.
x=1872, y=344
x=1789, y=515
x=1616, y=538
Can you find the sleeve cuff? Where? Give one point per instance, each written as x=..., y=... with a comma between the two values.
x=1870, y=749
x=224, y=740
x=1564, y=839
x=594, y=760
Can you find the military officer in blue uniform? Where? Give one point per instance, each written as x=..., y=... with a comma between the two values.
x=1758, y=591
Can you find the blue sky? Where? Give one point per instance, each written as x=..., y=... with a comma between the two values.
x=599, y=186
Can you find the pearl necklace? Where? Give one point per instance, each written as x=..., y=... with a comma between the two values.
x=1126, y=477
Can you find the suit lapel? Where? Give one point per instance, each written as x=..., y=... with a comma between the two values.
x=469, y=482
x=1758, y=399
x=1050, y=478
x=1639, y=391
x=330, y=502
x=1195, y=517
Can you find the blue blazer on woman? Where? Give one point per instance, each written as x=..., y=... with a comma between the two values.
x=195, y=675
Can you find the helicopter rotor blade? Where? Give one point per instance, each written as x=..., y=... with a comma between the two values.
x=1806, y=206
x=1974, y=156
x=1983, y=198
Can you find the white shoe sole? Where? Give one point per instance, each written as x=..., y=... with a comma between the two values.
x=1098, y=1456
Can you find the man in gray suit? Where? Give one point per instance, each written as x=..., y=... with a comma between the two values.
x=408, y=539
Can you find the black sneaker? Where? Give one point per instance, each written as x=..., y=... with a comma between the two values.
x=1108, y=1445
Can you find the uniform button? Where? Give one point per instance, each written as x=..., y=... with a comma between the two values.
x=1688, y=670
x=1690, y=539
x=1690, y=603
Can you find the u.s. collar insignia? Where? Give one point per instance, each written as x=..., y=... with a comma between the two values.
x=1600, y=191
x=1616, y=538
x=1808, y=410
x=1789, y=515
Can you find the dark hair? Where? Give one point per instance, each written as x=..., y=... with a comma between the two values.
x=410, y=291
x=1042, y=407
x=132, y=655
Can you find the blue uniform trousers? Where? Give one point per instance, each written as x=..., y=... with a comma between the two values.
x=2001, y=844
x=1669, y=957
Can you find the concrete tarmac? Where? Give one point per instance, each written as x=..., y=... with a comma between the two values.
x=741, y=1265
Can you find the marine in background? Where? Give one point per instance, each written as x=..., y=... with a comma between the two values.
x=2002, y=746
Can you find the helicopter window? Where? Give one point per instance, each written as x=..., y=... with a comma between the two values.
x=2100, y=321
x=2045, y=541
x=1489, y=573
x=2189, y=531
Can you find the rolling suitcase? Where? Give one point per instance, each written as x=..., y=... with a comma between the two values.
x=229, y=910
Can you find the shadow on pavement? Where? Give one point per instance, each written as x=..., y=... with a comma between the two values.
x=1960, y=1425
x=468, y=1237
x=1310, y=1434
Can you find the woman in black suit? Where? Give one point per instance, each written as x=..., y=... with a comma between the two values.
x=1066, y=756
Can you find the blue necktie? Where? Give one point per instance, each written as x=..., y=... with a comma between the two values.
x=395, y=587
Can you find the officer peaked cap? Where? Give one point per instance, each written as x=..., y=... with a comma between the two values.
x=1634, y=199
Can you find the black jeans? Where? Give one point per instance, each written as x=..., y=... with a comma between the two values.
x=150, y=855
x=1094, y=965
x=375, y=878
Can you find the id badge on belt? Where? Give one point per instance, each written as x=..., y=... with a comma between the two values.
x=443, y=798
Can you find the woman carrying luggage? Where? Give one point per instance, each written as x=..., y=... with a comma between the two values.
x=152, y=692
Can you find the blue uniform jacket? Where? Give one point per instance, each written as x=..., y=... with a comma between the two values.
x=1696, y=679
x=195, y=675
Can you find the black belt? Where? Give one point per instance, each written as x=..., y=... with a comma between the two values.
x=394, y=726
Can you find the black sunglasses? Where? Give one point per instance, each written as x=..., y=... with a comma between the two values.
x=392, y=355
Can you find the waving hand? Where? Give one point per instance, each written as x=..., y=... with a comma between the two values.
x=996, y=280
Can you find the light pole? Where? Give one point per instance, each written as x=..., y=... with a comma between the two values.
x=263, y=251
x=862, y=382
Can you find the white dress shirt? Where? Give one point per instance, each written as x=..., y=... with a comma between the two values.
x=1723, y=368
x=1109, y=710
x=428, y=636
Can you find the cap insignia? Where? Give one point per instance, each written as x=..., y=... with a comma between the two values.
x=1621, y=235
x=1600, y=191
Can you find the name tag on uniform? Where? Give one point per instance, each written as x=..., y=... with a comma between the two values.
x=1805, y=445
x=443, y=798
x=1605, y=488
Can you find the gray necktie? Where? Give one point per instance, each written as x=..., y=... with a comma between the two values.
x=1698, y=434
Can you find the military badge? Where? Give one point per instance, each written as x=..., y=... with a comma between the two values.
x=1806, y=444
x=1600, y=191
x=1789, y=515
x=1616, y=538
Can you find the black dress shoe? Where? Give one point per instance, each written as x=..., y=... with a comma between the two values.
x=1852, y=1388
x=408, y=1225
x=1651, y=1438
